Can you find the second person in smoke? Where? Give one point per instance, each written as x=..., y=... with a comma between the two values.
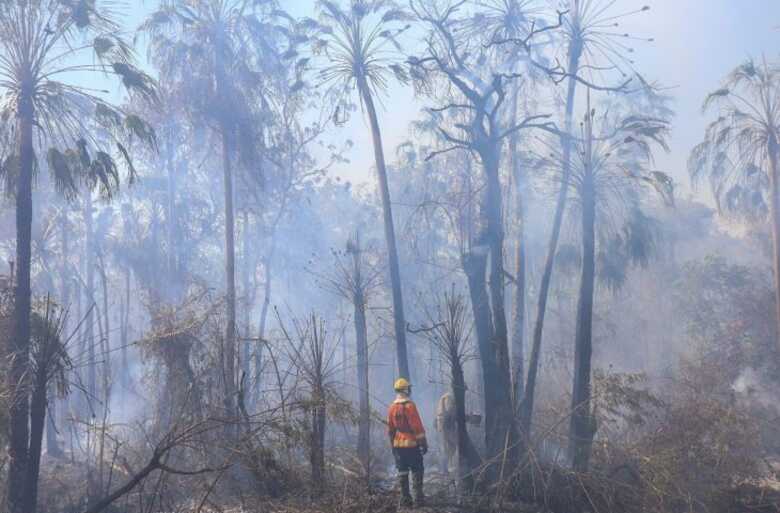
x=407, y=437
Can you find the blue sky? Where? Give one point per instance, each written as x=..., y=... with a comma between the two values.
x=696, y=43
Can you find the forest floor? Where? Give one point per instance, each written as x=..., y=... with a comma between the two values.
x=440, y=498
x=64, y=483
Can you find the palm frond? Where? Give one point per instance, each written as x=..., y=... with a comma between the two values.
x=62, y=173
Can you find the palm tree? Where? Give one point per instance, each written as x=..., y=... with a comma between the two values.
x=594, y=50
x=741, y=149
x=207, y=48
x=354, y=41
x=47, y=48
x=607, y=173
x=355, y=277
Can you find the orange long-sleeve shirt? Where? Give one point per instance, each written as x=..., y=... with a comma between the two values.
x=404, y=426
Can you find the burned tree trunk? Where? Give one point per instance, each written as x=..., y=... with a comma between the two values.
x=361, y=339
x=475, y=267
x=518, y=310
x=229, y=351
x=124, y=332
x=582, y=426
x=89, y=324
x=317, y=441
x=19, y=433
x=504, y=435
x=468, y=457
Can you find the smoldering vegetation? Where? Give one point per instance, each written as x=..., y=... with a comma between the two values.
x=200, y=313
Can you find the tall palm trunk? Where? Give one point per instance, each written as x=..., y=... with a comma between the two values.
x=52, y=444
x=258, y=356
x=582, y=429
x=246, y=270
x=518, y=312
x=81, y=402
x=124, y=330
x=230, y=278
x=399, y=321
x=175, y=291
x=774, y=148
x=65, y=300
x=226, y=128
x=89, y=323
x=527, y=407
x=105, y=339
x=19, y=434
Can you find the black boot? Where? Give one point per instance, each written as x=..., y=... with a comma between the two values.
x=417, y=483
x=405, y=498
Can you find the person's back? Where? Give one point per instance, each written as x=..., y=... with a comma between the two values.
x=407, y=438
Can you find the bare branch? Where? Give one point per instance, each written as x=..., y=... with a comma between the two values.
x=525, y=41
x=436, y=153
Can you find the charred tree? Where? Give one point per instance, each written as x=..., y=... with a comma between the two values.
x=449, y=332
x=19, y=433
x=359, y=293
x=582, y=427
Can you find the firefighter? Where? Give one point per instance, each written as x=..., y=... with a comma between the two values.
x=407, y=438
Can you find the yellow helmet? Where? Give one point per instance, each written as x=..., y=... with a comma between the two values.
x=401, y=385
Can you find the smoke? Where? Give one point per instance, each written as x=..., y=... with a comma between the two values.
x=752, y=389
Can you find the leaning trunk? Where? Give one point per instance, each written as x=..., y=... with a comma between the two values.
x=527, y=406
x=18, y=412
x=399, y=322
x=582, y=429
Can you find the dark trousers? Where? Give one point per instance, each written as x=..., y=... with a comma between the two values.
x=408, y=459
